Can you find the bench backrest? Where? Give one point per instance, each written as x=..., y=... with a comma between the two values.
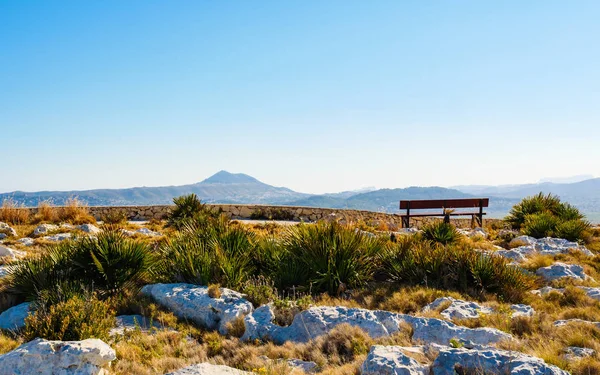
x=423, y=204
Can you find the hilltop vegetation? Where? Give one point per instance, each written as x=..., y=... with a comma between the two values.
x=79, y=286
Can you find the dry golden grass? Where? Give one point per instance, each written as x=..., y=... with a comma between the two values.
x=46, y=213
x=13, y=213
x=75, y=212
x=8, y=343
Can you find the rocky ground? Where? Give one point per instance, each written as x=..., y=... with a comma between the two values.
x=189, y=329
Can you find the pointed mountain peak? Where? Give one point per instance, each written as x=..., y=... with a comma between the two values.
x=224, y=177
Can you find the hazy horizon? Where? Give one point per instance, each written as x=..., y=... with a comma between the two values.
x=315, y=96
x=372, y=187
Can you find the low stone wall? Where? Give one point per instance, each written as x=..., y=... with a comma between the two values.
x=265, y=212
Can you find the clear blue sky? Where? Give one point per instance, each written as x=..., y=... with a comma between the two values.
x=313, y=95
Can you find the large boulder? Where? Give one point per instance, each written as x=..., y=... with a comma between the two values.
x=208, y=369
x=26, y=241
x=490, y=361
x=42, y=357
x=14, y=318
x=458, y=309
x=193, y=302
x=560, y=270
x=317, y=321
x=391, y=360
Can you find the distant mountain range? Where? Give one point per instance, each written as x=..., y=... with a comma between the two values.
x=225, y=187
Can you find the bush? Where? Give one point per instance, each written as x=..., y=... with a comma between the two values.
x=213, y=251
x=441, y=232
x=111, y=263
x=540, y=225
x=114, y=217
x=272, y=214
x=75, y=212
x=13, y=213
x=456, y=268
x=187, y=208
x=77, y=318
x=546, y=216
x=334, y=257
x=46, y=212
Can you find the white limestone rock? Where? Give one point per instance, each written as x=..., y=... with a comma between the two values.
x=476, y=232
x=490, y=361
x=522, y=241
x=308, y=367
x=208, y=369
x=391, y=360
x=458, y=309
x=13, y=319
x=547, y=290
x=559, y=270
x=7, y=253
x=58, y=237
x=522, y=310
x=317, y=321
x=562, y=323
x=42, y=357
x=555, y=246
x=142, y=231
x=7, y=230
x=3, y=271
x=518, y=254
x=193, y=302
x=26, y=241
x=45, y=229
x=573, y=353
x=89, y=228
x=591, y=292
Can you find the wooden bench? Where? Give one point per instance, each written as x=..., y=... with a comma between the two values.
x=447, y=206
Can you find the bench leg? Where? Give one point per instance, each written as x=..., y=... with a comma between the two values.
x=405, y=222
x=447, y=219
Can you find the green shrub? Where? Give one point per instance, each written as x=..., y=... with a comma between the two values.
x=213, y=251
x=272, y=214
x=334, y=257
x=77, y=318
x=532, y=205
x=545, y=215
x=540, y=225
x=188, y=208
x=454, y=267
x=111, y=263
x=114, y=217
x=441, y=232
x=572, y=230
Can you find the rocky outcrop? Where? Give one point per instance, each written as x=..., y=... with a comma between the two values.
x=560, y=270
x=525, y=246
x=14, y=318
x=42, y=357
x=142, y=231
x=490, y=361
x=193, y=302
x=208, y=369
x=391, y=360
x=318, y=321
x=458, y=309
